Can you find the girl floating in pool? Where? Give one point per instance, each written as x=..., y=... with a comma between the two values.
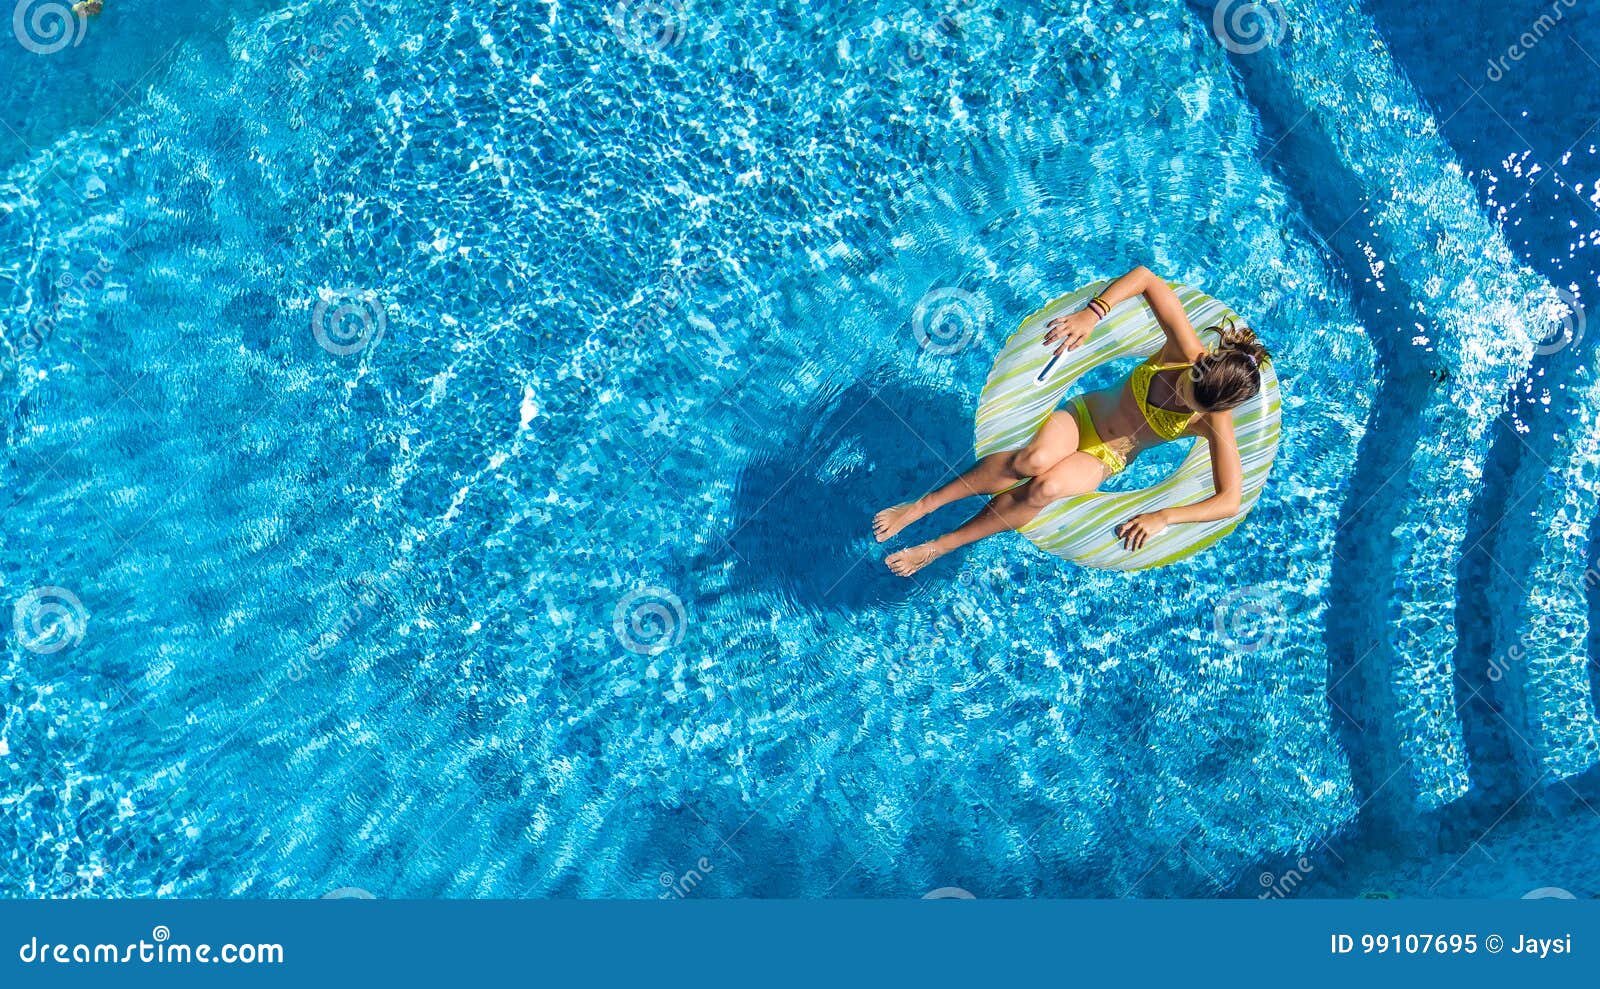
x=1184, y=390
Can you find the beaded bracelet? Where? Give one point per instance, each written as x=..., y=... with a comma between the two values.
x=1098, y=306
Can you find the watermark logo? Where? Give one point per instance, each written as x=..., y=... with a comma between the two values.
x=374, y=589
x=348, y=893
x=347, y=321
x=648, y=25
x=678, y=887
x=946, y=24
x=675, y=288
x=1548, y=893
x=1528, y=40
x=660, y=303
x=948, y=893
x=1245, y=28
x=49, y=619
x=946, y=320
x=593, y=367
x=71, y=291
x=1565, y=326
x=1279, y=886
x=159, y=950
x=45, y=27
x=346, y=26
x=1501, y=664
x=1247, y=619
x=649, y=620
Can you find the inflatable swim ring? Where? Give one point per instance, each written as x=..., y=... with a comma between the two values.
x=1024, y=388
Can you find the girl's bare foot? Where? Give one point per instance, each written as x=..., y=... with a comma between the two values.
x=909, y=561
x=888, y=523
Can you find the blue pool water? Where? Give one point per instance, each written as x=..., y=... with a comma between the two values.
x=441, y=441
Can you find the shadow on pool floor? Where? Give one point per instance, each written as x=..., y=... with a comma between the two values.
x=803, y=511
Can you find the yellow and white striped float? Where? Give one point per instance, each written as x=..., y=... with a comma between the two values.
x=1015, y=403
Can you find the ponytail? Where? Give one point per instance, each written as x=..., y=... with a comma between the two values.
x=1236, y=336
x=1230, y=375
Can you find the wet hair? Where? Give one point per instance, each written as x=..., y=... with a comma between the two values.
x=1230, y=375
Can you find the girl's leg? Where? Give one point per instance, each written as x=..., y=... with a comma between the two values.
x=1077, y=474
x=1054, y=442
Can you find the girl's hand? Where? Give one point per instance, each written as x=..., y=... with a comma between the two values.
x=1071, y=330
x=1137, y=530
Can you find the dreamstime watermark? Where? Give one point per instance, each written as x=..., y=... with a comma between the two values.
x=593, y=365
x=347, y=321
x=649, y=620
x=70, y=290
x=948, y=893
x=348, y=893
x=946, y=24
x=946, y=320
x=159, y=950
x=1565, y=327
x=669, y=295
x=1246, y=26
x=1247, y=619
x=954, y=624
x=648, y=25
x=1528, y=40
x=646, y=316
x=1548, y=893
x=1501, y=662
x=674, y=287
x=1285, y=883
x=375, y=589
x=45, y=27
x=676, y=887
x=49, y=619
x=345, y=24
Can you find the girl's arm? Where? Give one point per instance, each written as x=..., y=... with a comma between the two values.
x=1227, y=481
x=1183, y=344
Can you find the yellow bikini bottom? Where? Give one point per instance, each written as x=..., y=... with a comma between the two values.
x=1089, y=441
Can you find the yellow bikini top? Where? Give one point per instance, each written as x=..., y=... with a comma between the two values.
x=1166, y=423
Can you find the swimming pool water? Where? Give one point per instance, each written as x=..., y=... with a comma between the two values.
x=450, y=433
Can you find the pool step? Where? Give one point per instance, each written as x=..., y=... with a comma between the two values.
x=1539, y=673
x=1440, y=293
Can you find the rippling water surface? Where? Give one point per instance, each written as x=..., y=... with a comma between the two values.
x=441, y=441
